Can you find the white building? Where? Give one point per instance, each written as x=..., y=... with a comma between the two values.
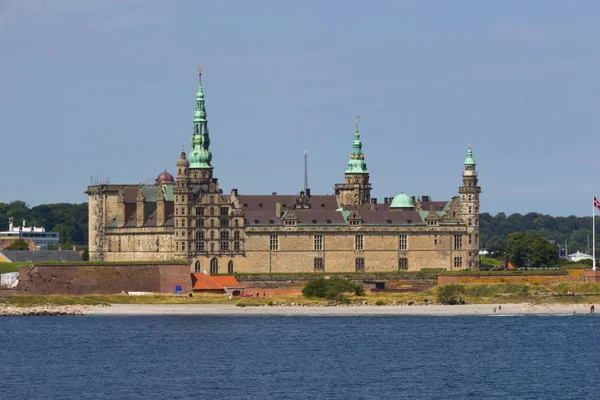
x=578, y=256
x=40, y=237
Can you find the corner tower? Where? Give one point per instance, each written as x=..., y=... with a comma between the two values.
x=356, y=190
x=469, y=204
x=201, y=170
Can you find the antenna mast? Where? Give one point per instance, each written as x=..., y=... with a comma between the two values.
x=305, y=171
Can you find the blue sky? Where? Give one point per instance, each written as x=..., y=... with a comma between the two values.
x=106, y=89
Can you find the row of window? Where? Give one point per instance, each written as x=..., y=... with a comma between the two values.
x=201, y=211
x=223, y=222
x=211, y=199
x=201, y=246
x=214, y=267
x=359, y=264
x=359, y=242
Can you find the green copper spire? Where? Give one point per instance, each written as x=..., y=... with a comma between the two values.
x=200, y=156
x=357, y=163
x=470, y=161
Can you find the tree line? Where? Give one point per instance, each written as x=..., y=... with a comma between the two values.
x=69, y=220
x=576, y=231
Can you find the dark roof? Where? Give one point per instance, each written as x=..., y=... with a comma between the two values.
x=393, y=217
x=267, y=202
x=319, y=217
x=437, y=205
x=41, y=255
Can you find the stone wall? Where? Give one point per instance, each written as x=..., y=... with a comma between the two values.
x=542, y=279
x=103, y=279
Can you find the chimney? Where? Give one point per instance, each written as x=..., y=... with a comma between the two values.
x=307, y=192
x=140, y=206
x=121, y=207
x=374, y=200
x=425, y=199
x=413, y=199
x=278, y=209
x=160, y=206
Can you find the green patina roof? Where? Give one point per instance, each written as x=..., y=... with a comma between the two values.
x=200, y=156
x=401, y=201
x=470, y=161
x=357, y=163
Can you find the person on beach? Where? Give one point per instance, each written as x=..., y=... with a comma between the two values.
x=257, y=293
x=500, y=308
x=230, y=298
x=494, y=310
x=592, y=309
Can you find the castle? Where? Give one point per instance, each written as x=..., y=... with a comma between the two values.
x=190, y=218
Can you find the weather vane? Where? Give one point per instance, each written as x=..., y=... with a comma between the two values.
x=357, y=118
x=199, y=69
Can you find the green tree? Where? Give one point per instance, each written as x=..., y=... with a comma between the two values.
x=332, y=289
x=18, y=244
x=530, y=250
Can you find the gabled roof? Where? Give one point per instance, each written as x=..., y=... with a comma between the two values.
x=207, y=282
x=227, y=280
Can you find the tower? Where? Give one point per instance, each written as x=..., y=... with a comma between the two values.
x=182, y=207
x=469, y=204
x=356, y=190
x=201, y=170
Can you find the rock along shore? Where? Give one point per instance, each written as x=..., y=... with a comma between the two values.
x=46, y=310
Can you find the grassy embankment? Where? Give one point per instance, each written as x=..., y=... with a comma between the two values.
x=471, y=293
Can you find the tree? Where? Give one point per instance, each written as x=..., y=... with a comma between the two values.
x=530, y=250
x=18, y=244
x=332, y=289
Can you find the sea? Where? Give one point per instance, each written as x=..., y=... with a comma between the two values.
x=300, y=357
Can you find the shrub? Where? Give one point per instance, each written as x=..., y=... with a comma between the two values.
x=331, y=289
x=449, y=294
x=380, y=303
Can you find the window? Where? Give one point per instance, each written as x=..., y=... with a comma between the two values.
x=224, y=246
x=236, y=222
x=403, y=242
x=183, y=222
x=176, y=246
x=360, y=264
x=236, y=246
x=182, y=246
x=457, y=262
x=319, y=264
x=358, y=242
x=274, y=242
x=435, y=240
x=199, y=210
x=223, y=222
x=457, y=242
x=236, y=235
x=212, y=247
x=197, y=267
x=402, y=264
x=199, y=246
x=214, y=266
x=224, y=235
x=212, y=211
x=470, y=239
x=199, y=222
x=318, y=242
x=224, y=211
x=230, y=267
x=199, y=235
x=182, y=210
x=176, y=211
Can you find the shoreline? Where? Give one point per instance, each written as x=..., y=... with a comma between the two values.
x=518, y=309
x=352, y=310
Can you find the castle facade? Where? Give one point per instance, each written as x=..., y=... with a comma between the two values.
x=189, y=217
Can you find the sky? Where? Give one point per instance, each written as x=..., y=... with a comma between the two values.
x=106, y=89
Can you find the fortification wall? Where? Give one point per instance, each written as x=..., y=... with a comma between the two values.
x=573, y=275
x=103, y=279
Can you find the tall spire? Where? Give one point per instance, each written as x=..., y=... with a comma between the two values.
x=357, y=163
x=469, y=161
x=200, y=156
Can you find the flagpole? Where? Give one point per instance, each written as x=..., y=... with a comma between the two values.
x=594, y=233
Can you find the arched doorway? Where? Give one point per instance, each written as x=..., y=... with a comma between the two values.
x=197, y=267
x=230, y=267
x=214, y=266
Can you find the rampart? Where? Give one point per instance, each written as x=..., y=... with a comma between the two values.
x=571, y=275
x=81, y=279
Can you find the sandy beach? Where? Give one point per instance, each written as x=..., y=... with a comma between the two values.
x=432, y=310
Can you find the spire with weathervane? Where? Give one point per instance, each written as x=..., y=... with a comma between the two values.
x=356, y=190
x=357, y=163
x=469, y=209
x=200, y=156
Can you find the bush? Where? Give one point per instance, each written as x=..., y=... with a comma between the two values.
x=380, y=303
x=331, y=289
x=449, y=294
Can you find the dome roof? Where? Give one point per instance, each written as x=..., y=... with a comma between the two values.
x=165, y=177
x=402, y=201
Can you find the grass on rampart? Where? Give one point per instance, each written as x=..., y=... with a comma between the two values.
x=505, y=272
x=12, y=266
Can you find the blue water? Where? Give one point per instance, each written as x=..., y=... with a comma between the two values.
x=95, y=357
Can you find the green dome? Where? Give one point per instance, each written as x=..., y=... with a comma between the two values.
x=402, y=201
x=469, y=160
